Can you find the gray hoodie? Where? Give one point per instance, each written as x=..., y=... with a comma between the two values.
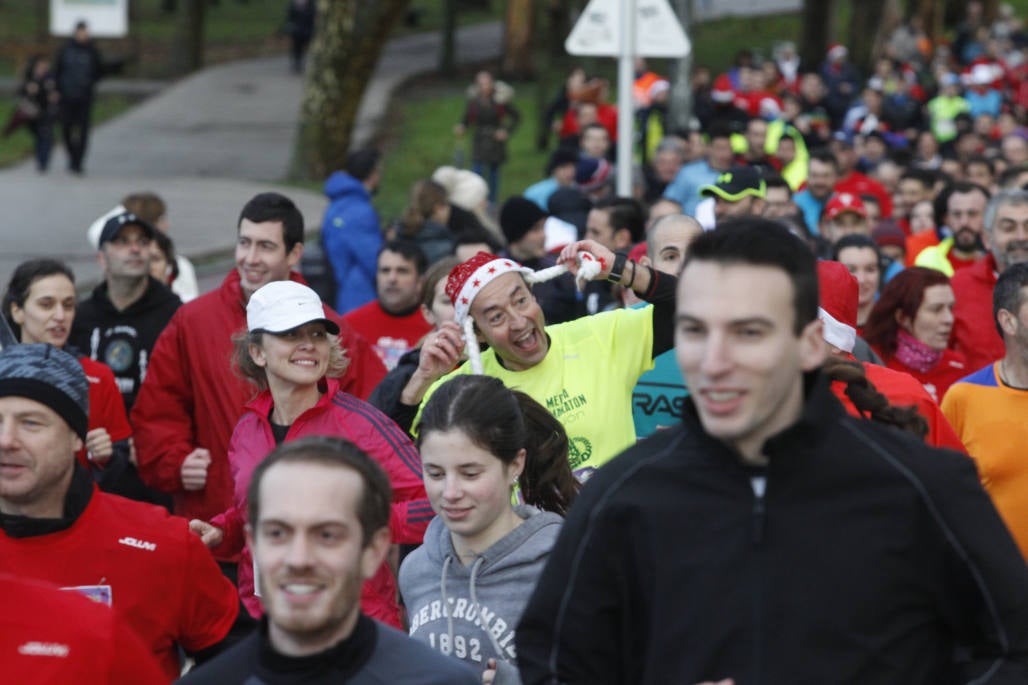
x=484, y=600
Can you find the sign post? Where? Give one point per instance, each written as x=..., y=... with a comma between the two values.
x=627, y=29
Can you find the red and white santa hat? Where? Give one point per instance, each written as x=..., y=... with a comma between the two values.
x=838, y=310
x=466, y=281
x=837, y=51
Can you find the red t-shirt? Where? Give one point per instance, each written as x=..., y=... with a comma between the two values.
x=51, y=636
x=391, y=336
x=106, y=408
x=141, y=561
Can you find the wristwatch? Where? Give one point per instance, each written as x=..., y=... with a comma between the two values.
x=618, y=268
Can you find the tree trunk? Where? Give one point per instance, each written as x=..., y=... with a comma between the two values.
x=187, y=50
x=517, y=40
x=932, y=17
x=559, y=26
x=865, y=33
x=348, y=40
x=448, y=49
x=817, y=31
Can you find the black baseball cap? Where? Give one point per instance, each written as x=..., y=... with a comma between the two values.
x=116, y=223
x=736, y=183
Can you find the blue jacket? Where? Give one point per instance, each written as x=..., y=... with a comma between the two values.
x=685, y=187
x=351, y=238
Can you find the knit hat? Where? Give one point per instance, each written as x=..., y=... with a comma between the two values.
x=518, y=216
x=281, y=306
x=887, y=233
x=49, y=376
x=838, y=311
x=464, y=188
x=735, y=184
x=844, y=202
x=591, y=173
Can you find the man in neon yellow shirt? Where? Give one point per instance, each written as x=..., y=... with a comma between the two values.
x=583, y=371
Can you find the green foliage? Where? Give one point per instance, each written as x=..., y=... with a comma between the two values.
x=420, y=139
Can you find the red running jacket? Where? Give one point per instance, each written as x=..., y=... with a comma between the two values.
x=191, y=397
x=974, y=328
x=344, y=416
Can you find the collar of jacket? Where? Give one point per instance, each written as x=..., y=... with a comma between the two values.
x=821, y=410
x=80, y=493
x=346, y=658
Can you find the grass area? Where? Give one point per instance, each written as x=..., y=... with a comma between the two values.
x=420, y=139
x=19, y=145
x=233, y=29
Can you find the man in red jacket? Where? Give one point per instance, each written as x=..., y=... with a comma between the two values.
x=1006, y=238
x=57, y=526
x=191, y=400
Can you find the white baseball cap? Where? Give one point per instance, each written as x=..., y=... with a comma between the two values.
x=281, y=306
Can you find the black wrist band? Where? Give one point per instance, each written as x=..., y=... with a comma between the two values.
x=617, y=269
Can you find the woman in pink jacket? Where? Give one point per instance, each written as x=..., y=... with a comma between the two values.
x=291, y=353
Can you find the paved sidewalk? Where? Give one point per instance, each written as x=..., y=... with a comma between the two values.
x=206, y=144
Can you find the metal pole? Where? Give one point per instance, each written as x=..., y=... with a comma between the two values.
x=681, y=92
x=626, y=113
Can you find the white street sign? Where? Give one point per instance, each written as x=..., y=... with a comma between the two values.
x=597, y=32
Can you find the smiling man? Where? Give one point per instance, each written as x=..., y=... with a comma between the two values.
x=190, y=401
x=57, y=526
x=582, y=371
x=319, y=527
x=757, y=541
x=118, y=324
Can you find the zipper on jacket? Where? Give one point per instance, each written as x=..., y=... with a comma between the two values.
x=759, y=485
x=758, y=518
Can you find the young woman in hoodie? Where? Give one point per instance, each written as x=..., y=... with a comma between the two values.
x=465, y=588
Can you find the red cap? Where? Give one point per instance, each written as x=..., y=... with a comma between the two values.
x=844, y=202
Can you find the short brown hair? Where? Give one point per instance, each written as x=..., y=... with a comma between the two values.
x=373, y=509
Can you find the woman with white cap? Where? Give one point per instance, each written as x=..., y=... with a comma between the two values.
x=291, y=353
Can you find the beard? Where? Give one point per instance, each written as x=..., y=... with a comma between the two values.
x=967, y=240
x=1015, y=253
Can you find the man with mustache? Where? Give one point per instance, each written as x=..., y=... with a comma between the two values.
x=965, y=218
x=1006, y=236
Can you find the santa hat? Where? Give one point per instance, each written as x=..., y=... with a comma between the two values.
x=838, y=310
x=722, y=91
x=837, y=51
x=467, y=279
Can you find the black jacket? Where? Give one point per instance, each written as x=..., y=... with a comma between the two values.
x=373, y=654
x=870, y=558
x=123, y=340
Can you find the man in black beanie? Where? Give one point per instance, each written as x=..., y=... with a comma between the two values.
x=57, y=527
x=524, y=226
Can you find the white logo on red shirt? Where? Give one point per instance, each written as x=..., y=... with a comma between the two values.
x=44, y=649
x=138, y=544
